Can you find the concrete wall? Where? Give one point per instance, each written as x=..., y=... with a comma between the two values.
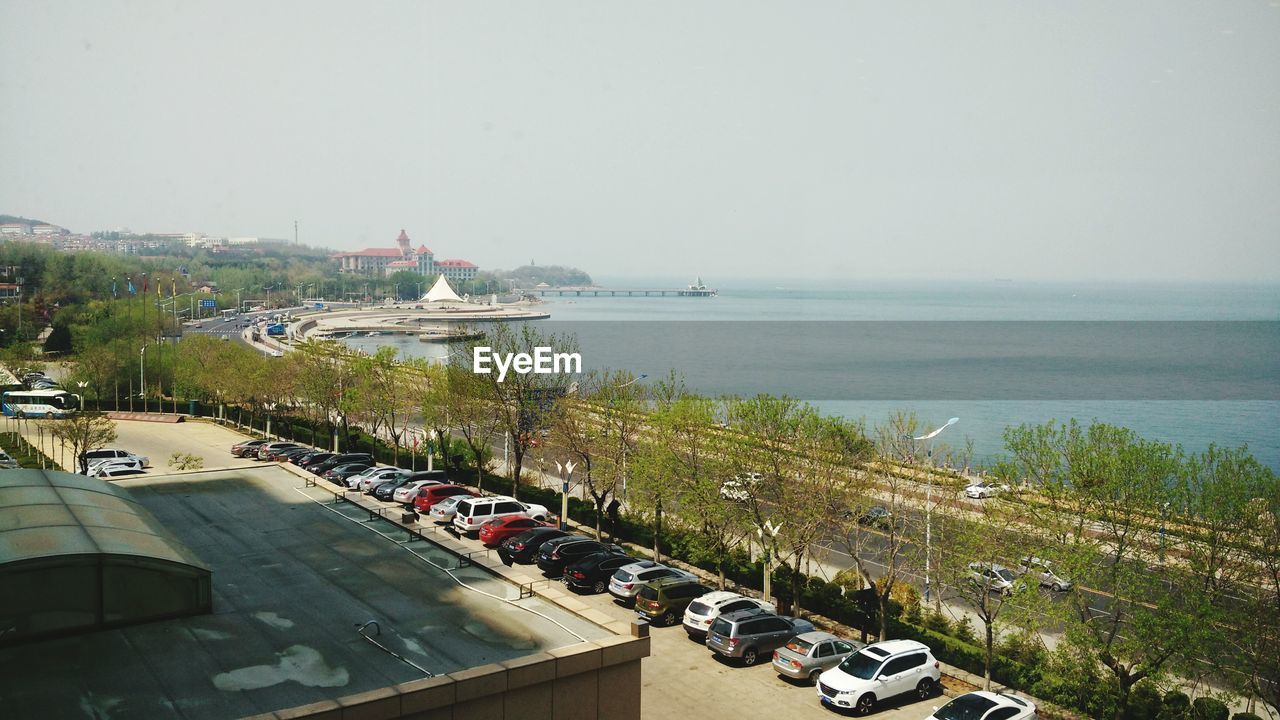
x=597, y=680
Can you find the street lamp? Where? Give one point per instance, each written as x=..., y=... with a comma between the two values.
x=82, y=384
x=142, y=377
x=928, y=503
x=270, y=407
x=564, y=490
x=431, y=450
x=772, y=531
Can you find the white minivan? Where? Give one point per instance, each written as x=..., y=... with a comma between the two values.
x=471, y=513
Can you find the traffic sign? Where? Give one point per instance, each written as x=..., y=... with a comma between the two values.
x=209, y=303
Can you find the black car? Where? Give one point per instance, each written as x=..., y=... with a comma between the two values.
x=592, y=573
x=292, y=453
x=439, y=476
x=321, y=468
x=384, y=490
x=523, y=547
x=555, y=554
x=310, y=461
x=302, y=457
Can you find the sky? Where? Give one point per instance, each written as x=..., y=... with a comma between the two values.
x=843, y=140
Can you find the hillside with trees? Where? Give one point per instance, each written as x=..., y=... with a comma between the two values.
x=528, y=276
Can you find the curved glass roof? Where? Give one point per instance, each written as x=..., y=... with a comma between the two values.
x=46, y=513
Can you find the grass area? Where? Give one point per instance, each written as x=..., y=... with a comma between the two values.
x=24, y=452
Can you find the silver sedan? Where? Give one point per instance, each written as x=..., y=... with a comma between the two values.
x=808, y=655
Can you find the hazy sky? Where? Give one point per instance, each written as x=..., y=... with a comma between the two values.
x=1047, y=140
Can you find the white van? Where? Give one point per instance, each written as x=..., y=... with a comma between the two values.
x=474, y=512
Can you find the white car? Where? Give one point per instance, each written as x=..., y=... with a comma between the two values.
x=741, y=487
x=995, y=578
x=628, y=579
x=116, y=468
x=442, y=512
x=1043, y=571
x=125, y=462
x=704, y=610
x=983, y=489
x=983, y=705
x=363, y=481
x=99, y=455
x=878, y=672
x=473, y=512
x=406, y=493
x=7, y=462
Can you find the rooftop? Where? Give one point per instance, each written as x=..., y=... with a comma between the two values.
x=292, y=578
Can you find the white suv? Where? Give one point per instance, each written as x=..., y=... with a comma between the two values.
x=704, y=610
x=628, y=580
x=471, y=513
x=878, y=672
x=101, y=455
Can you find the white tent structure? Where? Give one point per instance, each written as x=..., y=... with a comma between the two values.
x=441, y=292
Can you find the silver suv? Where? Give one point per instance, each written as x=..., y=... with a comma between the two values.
x=628, y=580
x=748, y=634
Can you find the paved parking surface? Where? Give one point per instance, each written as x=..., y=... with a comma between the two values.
x=681, y=678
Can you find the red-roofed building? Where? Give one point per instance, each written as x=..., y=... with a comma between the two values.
x=456, y=270
x=385, y=261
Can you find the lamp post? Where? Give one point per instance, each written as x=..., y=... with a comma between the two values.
x=270, y=407
x=566, y=475
x=82, y=384
x=928, y=503
x=772, y=531
x=142, y=377
x=431, y=450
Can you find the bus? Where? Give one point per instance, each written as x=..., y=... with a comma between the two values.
x=39, y=403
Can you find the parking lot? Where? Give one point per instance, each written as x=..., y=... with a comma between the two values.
x=681, y=678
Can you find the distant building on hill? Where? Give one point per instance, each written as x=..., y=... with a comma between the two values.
x=389, y=260
x=15, y=229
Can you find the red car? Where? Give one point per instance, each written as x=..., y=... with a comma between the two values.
x=499, y=529
x=433, y=494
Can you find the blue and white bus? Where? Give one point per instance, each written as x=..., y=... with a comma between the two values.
x=39, y=403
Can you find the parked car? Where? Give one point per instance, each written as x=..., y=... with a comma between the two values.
x=431, y=496
x=442, y=513
x=983, y=489
x=703, y=611
x=389, y=486
x=321, y=468
x=243, y=449
x=309, y=461
x=808, y=655
x=408, y=491
x=878, y=672
x=877, y=516
x=340, y=473
x=592, y=573
x=122, y=462
x=289, y=454
x=523, y=548
x=496, y=530
x=1043, y=572
x=439, y=476
x=554, y=555
x=995, y=578
x=97, y=456
x=115, y=469
x=628, y=580
x=265, y=451
x=7, y=462
x=747, y=634
x=741, y=487
x=983, y=705
x=474, y=512
x=371, y=479
x=663, y=601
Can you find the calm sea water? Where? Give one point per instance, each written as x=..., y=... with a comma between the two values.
x=1193, y=424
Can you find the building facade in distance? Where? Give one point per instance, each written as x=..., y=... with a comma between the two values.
x=386, y=261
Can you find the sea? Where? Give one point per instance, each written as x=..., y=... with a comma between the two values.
x=1191, y=364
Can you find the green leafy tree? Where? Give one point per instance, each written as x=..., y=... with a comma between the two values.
x=82, y=432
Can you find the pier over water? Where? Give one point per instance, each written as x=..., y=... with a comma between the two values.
x=626, y=292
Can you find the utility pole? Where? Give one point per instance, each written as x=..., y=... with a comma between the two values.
x=295, y=232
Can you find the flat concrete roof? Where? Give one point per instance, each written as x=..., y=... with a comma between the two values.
x=292, y=578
